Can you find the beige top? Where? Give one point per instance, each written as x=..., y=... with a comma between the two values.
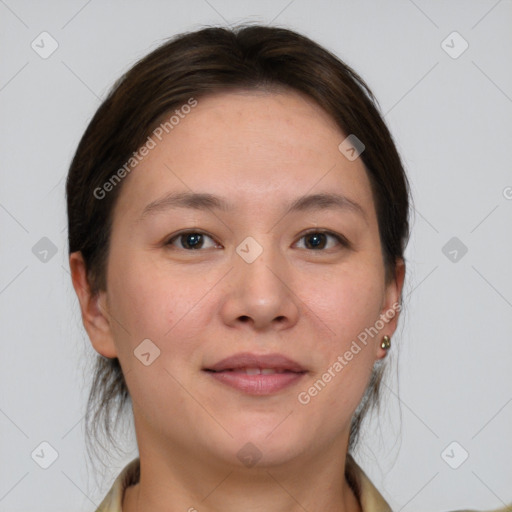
x=369, y=497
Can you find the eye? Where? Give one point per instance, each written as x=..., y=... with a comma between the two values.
x=316, y=240
x=191, y=240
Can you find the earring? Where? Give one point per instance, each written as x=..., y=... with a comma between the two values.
x=386, y=342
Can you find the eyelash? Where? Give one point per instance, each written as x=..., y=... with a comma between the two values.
x=340, y=238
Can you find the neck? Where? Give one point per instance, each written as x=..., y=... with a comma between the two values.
x=178, y=482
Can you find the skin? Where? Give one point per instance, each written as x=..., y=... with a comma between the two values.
x=259, y=151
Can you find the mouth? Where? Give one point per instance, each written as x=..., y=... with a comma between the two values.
x=257, y=374
x=254, y=371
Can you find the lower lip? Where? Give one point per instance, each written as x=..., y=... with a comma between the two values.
x=258, y=384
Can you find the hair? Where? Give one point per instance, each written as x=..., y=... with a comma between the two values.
x=194, y=65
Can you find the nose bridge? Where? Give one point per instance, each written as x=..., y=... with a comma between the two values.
x=256, y=265
x=259, y=292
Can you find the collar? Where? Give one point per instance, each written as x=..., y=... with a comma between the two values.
x=370, y=499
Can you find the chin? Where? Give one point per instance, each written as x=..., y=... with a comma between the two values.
x=268, y=446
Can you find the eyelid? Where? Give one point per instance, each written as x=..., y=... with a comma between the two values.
x=176, y=236
x=342, y=240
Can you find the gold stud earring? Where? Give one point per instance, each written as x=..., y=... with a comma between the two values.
x=386, y=342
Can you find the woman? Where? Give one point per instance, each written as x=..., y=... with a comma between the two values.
x=238, y=215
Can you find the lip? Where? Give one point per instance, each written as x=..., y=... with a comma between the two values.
x=249, y=360
x=232, y=372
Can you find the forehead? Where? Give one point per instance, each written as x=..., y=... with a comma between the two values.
x=255, y=124
x=249, y=146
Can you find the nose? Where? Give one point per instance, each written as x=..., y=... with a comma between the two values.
x=260, y=294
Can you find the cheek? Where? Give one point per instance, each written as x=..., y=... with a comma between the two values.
x=347, y=302
x=349, y=305
x=149, y=302
x=346, y=389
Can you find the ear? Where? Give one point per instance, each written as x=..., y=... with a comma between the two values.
x=391, y=307
x=93, y=307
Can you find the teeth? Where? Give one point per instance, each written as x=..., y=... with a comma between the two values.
x=256, y=371
x=262, y=371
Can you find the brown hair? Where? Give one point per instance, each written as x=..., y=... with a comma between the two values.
x=193, y=65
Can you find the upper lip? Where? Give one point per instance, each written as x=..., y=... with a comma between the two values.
x=248, y=360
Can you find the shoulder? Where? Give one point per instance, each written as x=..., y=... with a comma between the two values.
x=371, y=500
x=506, y=508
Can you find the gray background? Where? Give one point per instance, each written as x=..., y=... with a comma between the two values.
x=452, y=121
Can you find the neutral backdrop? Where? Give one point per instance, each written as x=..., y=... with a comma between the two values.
x=450, y=110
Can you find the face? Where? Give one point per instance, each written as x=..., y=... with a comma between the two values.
x=258, y=270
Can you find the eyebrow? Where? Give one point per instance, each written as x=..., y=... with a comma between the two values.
x=206, y=201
